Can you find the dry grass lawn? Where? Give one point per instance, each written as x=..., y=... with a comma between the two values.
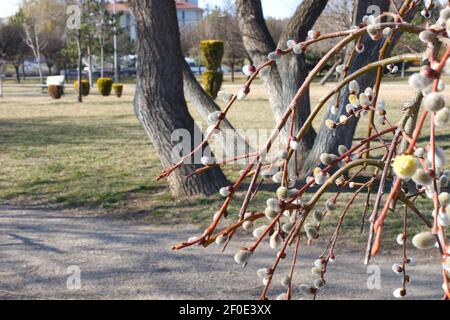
x=96, y=157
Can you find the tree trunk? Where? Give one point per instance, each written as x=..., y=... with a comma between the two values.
x=232, y=71
x=89, y=52
x=49, y=66
x=330, y=72
x=1, y=80
x=204, y=105
x=101, y=57
x=328, y=140
x=80, y=67
x=16, y=68
x=159, y=99
x=38, y=56
x=283, y=79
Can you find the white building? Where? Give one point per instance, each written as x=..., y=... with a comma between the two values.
x=188, y=12
x=127, y=20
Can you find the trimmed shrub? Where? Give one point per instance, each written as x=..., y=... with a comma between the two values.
x=212, y=54
x=104, y=86
x=85, y=87
x=118, y=89
x=212, y=81
x=55, y=91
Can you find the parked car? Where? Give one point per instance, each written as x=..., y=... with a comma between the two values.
x=128, y=72
x=106, y=74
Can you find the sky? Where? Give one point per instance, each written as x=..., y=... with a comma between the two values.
x=8, y=7
x=272, y=8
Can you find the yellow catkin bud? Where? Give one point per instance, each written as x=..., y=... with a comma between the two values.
x=405, y=166
x=353, y=99
x=317, y=171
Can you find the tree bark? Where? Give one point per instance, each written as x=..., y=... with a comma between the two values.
x=328, y=140
x=159, y=100
x=283, y=79
x=330, y=72
x=80, y=67
x=90, y=62
x=16, y=68
x=204, y=105
x=1, y=79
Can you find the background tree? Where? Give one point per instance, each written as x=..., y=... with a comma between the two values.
x=53, y=44
x=13, y=46
x=284, y=79
x=328, y=140
x=159, y=100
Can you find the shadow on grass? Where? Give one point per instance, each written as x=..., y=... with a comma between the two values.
x=40, y=132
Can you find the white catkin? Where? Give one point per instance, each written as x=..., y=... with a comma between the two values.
x=214, y=117
x=247, y=225
x=442, y=118
x=225, y=192
x=354, y=86
x=273, y=204
x=419, y=81
x=398, y=293
x=424, y=240
x=241, y=94
x=242, y=257
x=285, y=281
x=433, y=102
x=207, y=161
x=275, y=241
x=259, y=231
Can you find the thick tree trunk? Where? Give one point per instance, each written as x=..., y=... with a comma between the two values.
x=328, y=140
x=282, y=80
x=204, y=105
x=258, y=43
x=159, y=100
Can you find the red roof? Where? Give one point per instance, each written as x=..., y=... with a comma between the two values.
x=120, y=6
x=187, y=6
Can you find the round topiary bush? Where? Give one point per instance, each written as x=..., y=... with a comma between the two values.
x=55, y=91
x=104, y=86
x=85, y=87
x=118, y=89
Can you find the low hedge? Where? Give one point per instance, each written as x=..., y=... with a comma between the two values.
x=118, y=89
x=55, y=91
x=104, y=86
x=85, y=87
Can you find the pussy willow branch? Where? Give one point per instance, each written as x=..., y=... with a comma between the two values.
x=378, y=224
x=380, y=71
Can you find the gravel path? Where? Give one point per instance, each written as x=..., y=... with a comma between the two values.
x=41, y=250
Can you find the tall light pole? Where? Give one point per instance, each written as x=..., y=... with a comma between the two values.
x=116, y=64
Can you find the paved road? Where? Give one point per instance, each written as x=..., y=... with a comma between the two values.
x=123, y=260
